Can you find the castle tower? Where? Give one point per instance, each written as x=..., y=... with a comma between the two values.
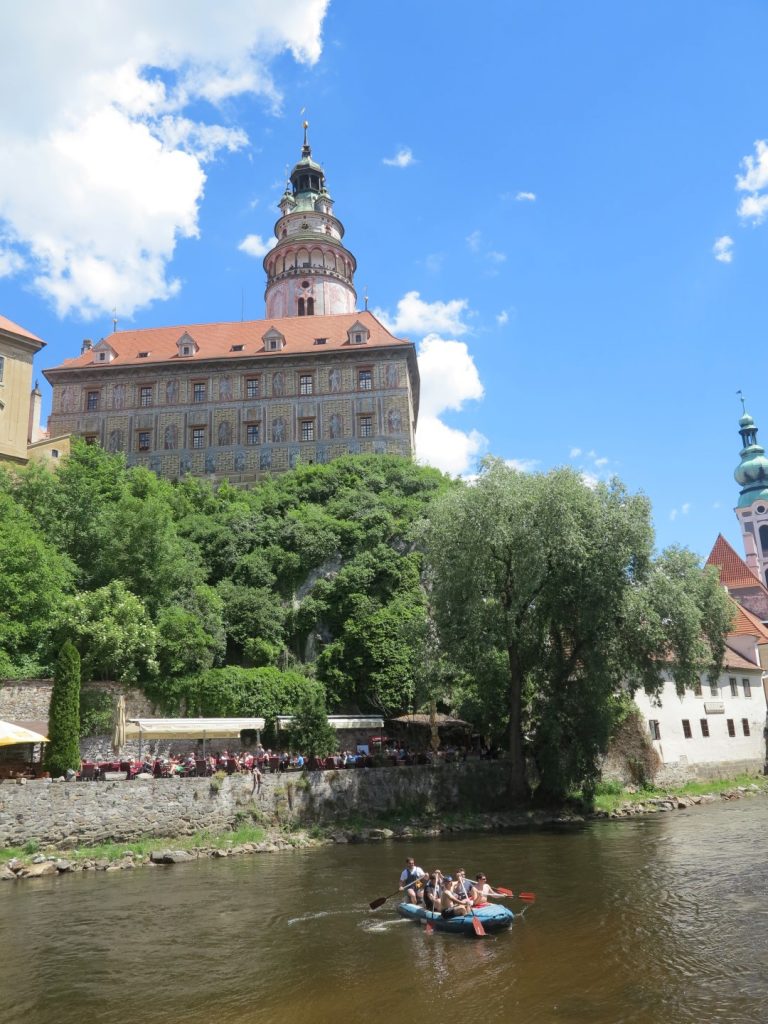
x=752, y=509
x=309, y=271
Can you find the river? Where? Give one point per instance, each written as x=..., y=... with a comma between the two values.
x=659, y=920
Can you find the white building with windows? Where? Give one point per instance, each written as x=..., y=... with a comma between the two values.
x=719, y=725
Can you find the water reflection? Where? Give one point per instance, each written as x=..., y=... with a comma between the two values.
x=657, y=920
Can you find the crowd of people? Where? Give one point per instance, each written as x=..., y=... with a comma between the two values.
x=449, y=895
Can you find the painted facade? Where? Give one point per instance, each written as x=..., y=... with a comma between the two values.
x=313, y=381
x=752, y=508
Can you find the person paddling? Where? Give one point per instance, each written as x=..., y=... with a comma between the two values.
x=433, y=890
x=410, y=880
x=484, y=890
x=455, y=902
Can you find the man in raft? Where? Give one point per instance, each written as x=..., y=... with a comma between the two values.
x=458, y=895
x=411, y=880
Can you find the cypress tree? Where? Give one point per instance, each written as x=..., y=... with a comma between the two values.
x=64, y=715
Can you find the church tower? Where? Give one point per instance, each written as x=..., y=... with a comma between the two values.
x=752, y=509
x=309, y=271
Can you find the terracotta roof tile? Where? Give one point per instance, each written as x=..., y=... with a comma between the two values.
x=747, y=624
x=735, y=660
x=12, y=328
x=734, y=571
x=216, y=341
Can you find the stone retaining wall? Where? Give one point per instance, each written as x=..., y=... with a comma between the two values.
x=75, y=814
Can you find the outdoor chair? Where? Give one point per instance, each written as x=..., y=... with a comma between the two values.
x=88, y=773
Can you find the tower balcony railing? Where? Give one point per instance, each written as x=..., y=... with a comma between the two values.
x=310, y=271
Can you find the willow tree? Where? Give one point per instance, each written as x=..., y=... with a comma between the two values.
x=547, y=592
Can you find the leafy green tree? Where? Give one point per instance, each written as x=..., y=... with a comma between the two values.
x=309, y=731
x=34, y=580
x=558, y=581
x=250, y=613
x=114, y=634
x=63, y=751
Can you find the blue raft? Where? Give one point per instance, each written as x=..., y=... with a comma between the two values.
x=493, y=917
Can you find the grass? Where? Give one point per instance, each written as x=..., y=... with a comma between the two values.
x=141, y=848
x=612, y=795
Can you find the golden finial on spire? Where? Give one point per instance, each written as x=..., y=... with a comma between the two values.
x=305, y=149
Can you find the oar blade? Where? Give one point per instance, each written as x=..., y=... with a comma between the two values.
x=428, y=928
x=503, y=891
x=529, y=897
x=477, y=924
x=378, y=903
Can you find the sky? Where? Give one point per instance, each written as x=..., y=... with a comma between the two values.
x=561, y=203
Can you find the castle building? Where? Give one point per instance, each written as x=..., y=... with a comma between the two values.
x=752, y=508
x=316, y=379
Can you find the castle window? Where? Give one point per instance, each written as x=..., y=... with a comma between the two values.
x=252, y=433
x=92, y=401
x=310, y=307
x=307, y=430
x=366, y=426
x=745, y=726
x=102, y=357
x=143, y=440
x=198, y=437
x=764, y=539
x=358, y=339
x=301, y=307
x=2, y=368
x=320, y=341
x=747, y=688
x=731, y=727
x=145, y=396
x=198, y=392
x=686, y=729
x=237, y=348
x=704, y=728
x=54, y=453
x=252, y=387
x=186, y=350
x=655, y=731
x=91, y=438
x=365, y=380
x=734, y=687
x=143, y=355
x=697, y=689
x=305, y=384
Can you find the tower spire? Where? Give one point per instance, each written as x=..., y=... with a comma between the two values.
x=306, y=149
x=752, y=509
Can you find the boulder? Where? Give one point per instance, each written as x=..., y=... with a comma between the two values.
x=63, y=866
x=38, y=870
x=6, y=875
x=707, y=798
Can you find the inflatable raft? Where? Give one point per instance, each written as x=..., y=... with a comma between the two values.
x=493, y=917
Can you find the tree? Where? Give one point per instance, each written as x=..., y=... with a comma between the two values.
x=555, y=582
x=114, y=634
x=64, y=715
x=34, y=579
x=309, y=731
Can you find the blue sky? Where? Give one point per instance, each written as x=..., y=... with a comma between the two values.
x=565, y=172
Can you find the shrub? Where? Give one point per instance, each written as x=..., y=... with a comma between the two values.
x=64, y=716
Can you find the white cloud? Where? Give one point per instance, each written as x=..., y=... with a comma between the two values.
x=473, y=241
x=723, y=249
x=10, y=261
x=522, y=465
x=415, y=316
x=682, y=511
x=434, y=262
x=526, y=197
x=601, y=462
x=502, y=318
x=449, y=379
x=101, y=166
x=402, y=158
x=754, y=180
x=575, y=453
x=255, y=245
x=496, y=257
x=590, y=480
x=685, y=508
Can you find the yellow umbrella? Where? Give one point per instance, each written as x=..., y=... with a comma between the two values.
x=10, y=734
x=118, y=733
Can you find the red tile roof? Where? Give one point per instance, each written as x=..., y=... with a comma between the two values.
x=215, y=341
x=747, y=624
x=735, y=660
x=734, y=571
x=12, y=328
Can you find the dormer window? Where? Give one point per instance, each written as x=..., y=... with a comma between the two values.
x=237, y=348
x=320, y=341
x=186, y=345
x=274, y=341
x=143, y=355
x=358, y=334
x=103, y=352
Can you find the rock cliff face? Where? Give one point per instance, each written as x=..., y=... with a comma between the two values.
x=74, y=814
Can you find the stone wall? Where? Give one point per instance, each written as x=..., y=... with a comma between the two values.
x=75, y=814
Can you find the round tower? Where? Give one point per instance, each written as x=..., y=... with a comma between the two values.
x=309, y=271
x=752, y=509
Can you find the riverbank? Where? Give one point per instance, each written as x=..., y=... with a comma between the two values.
x=31, y=861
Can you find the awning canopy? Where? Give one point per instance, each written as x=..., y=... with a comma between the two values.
x=190, y=728
x=441, y=721
x=341, y=721
x=10, y=734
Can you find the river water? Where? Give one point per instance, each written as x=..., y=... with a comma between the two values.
x=662, y=920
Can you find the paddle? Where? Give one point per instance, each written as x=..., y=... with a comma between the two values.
x=528, y=896
x=383, y=899
x=477, y=924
